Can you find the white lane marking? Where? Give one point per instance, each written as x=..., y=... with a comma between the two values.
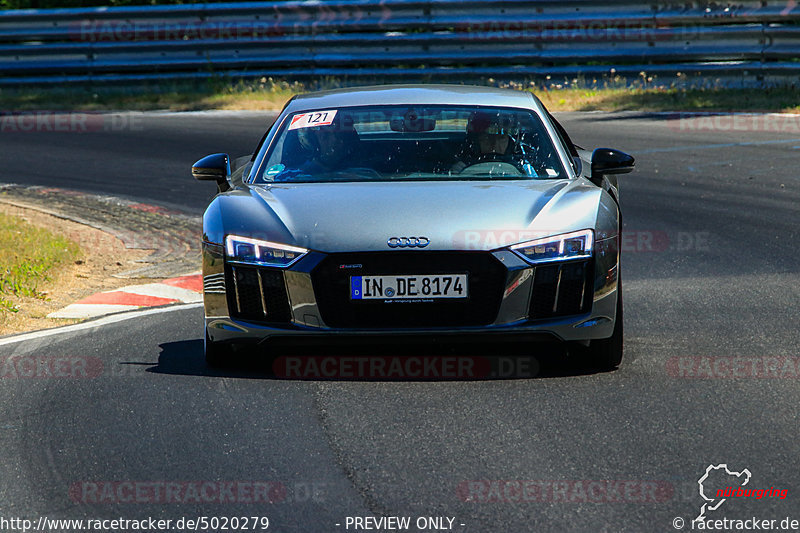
x=91, y=310
x=162, y=290
x=111, y=319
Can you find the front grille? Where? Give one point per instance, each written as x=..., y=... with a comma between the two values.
x=486, y=281
x=561, y=289
x=258, y=294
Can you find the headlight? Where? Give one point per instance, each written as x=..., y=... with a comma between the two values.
x=256, y=252
x=563, y=247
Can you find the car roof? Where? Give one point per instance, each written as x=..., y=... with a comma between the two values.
x=413, y=94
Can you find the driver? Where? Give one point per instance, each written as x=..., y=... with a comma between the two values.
x=331, y=147
x=488, y=139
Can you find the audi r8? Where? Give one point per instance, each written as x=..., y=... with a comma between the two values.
x=425, y=210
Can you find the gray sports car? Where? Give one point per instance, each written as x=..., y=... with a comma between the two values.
x=427, y=211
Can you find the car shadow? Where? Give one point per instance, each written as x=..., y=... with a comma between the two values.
x=451, y=361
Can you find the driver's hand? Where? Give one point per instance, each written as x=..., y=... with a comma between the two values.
x=458, y=167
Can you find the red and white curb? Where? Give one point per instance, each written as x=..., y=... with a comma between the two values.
x=185, y=289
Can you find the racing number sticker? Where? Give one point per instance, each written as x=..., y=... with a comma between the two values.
x=310, y=120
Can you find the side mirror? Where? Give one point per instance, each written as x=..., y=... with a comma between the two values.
x=214, y=167
x=610, y=161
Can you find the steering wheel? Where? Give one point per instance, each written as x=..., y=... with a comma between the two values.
x=493, y=168
x=365, y=172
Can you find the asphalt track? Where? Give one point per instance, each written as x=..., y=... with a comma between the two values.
x=711, y=303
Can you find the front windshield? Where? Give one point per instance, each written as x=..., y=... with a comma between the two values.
x=393, y=143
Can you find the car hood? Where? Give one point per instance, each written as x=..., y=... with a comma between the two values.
x=461, y=215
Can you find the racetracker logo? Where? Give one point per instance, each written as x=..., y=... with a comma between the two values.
x=718, y=483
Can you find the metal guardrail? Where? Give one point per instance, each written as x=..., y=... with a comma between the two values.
x=400, y=39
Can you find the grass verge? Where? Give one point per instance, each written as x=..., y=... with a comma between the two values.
x=267, y=94
x=260, y=95
x=783, y=100
x=28, y=257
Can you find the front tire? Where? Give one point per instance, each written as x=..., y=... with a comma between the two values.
x=606, y=354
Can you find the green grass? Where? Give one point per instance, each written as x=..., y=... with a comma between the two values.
x=784, y=100
x=260, y=94
x=27, y=256
x=611, y=94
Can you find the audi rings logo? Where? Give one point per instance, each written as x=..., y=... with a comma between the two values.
x=408, y=242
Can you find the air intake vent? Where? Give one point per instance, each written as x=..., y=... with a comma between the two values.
x=561, y=289
x=259, y=294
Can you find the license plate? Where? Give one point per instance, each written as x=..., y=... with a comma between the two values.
x=427, y=286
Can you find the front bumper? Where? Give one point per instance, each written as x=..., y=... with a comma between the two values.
x=520, y=305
